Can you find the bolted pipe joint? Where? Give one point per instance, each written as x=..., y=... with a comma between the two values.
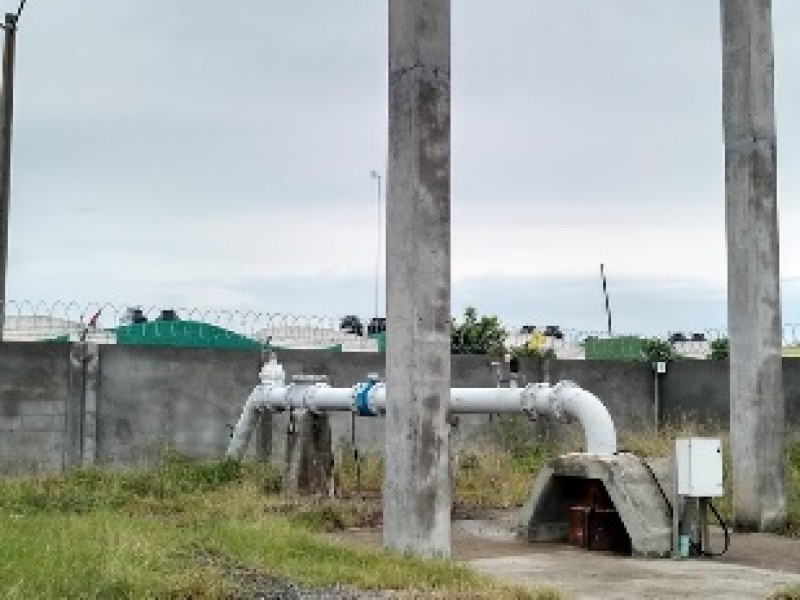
x=566, y=400
x=365, y=395
x=530, y=393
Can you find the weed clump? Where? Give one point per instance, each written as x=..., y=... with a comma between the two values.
x=85, y=490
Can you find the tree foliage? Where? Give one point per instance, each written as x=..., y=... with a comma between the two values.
x=656, y=350
x=526, y=351
x=478, y=335
x=720, y=349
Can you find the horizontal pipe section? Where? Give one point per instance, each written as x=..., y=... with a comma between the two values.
x=477, y=401
x=565, y=399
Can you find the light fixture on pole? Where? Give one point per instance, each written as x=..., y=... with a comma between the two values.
x=377, y=176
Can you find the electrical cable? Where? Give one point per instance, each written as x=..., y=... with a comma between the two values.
x=724, y=530
x=356, y=457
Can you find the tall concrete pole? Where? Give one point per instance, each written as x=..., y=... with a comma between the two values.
x=7, y=115
x=417, y=497
x=754, y=303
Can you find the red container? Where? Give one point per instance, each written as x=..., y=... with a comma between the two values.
x=597, y=529
x=578, y=520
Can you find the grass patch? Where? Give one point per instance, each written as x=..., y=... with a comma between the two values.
x=793, y=488
x=201, y=531
x=298, y=555
x=358, y=475
x=489, y=478
x=88, y=490
x=496, y=474
x=496, y=478
x=791, y=592
x=500, y=475
x=99, y=555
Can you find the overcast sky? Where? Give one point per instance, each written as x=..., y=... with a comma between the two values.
x=185, y=152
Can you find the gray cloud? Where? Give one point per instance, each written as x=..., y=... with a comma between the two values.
x=225, y=154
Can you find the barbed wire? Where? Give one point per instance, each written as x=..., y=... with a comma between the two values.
x=107, y=322
x=15, y=17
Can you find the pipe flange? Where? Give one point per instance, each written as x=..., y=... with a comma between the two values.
x=361, y=404
x=379, y=411
x=528, y=399
x=309, y=394
x=557, y=401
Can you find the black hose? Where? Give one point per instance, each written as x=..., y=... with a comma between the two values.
x=725, y=531
x=356, y=457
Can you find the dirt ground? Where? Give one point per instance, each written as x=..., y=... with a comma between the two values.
x=755, y=565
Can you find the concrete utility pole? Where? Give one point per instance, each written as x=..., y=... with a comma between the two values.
x=754, y=302
x=416, y=496
x=7, y=100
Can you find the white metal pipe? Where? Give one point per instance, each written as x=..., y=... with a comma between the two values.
x=316, y=398
x=322, y=398
x=565, y=399
x=240, y=437
x=475, y=401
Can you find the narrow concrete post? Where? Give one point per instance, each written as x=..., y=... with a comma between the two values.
x=309, y=455
x=75, y=408
x=264, y=437
x=416, y=491
x=754, y=304
x=80, y=441
x=91, y=386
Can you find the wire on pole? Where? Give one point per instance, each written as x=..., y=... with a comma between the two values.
x=21, y=7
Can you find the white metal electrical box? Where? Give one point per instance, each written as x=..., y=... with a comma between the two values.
x=699, y=465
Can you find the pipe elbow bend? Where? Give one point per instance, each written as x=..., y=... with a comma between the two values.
x=591, y=413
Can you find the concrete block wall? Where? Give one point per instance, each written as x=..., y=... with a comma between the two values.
x=699, y=391
x=63, y=406
x=36, y=381
x=626, y=388
x=154, y=399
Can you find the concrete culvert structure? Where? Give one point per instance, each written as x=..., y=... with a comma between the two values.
x=614, y=503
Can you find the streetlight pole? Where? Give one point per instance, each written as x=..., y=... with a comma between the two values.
x=377, y=176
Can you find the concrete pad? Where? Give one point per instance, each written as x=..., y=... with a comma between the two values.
x=756, y=564
x=594, y=576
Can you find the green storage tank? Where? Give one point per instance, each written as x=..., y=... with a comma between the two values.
x=183, y=334
x=617, y=348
